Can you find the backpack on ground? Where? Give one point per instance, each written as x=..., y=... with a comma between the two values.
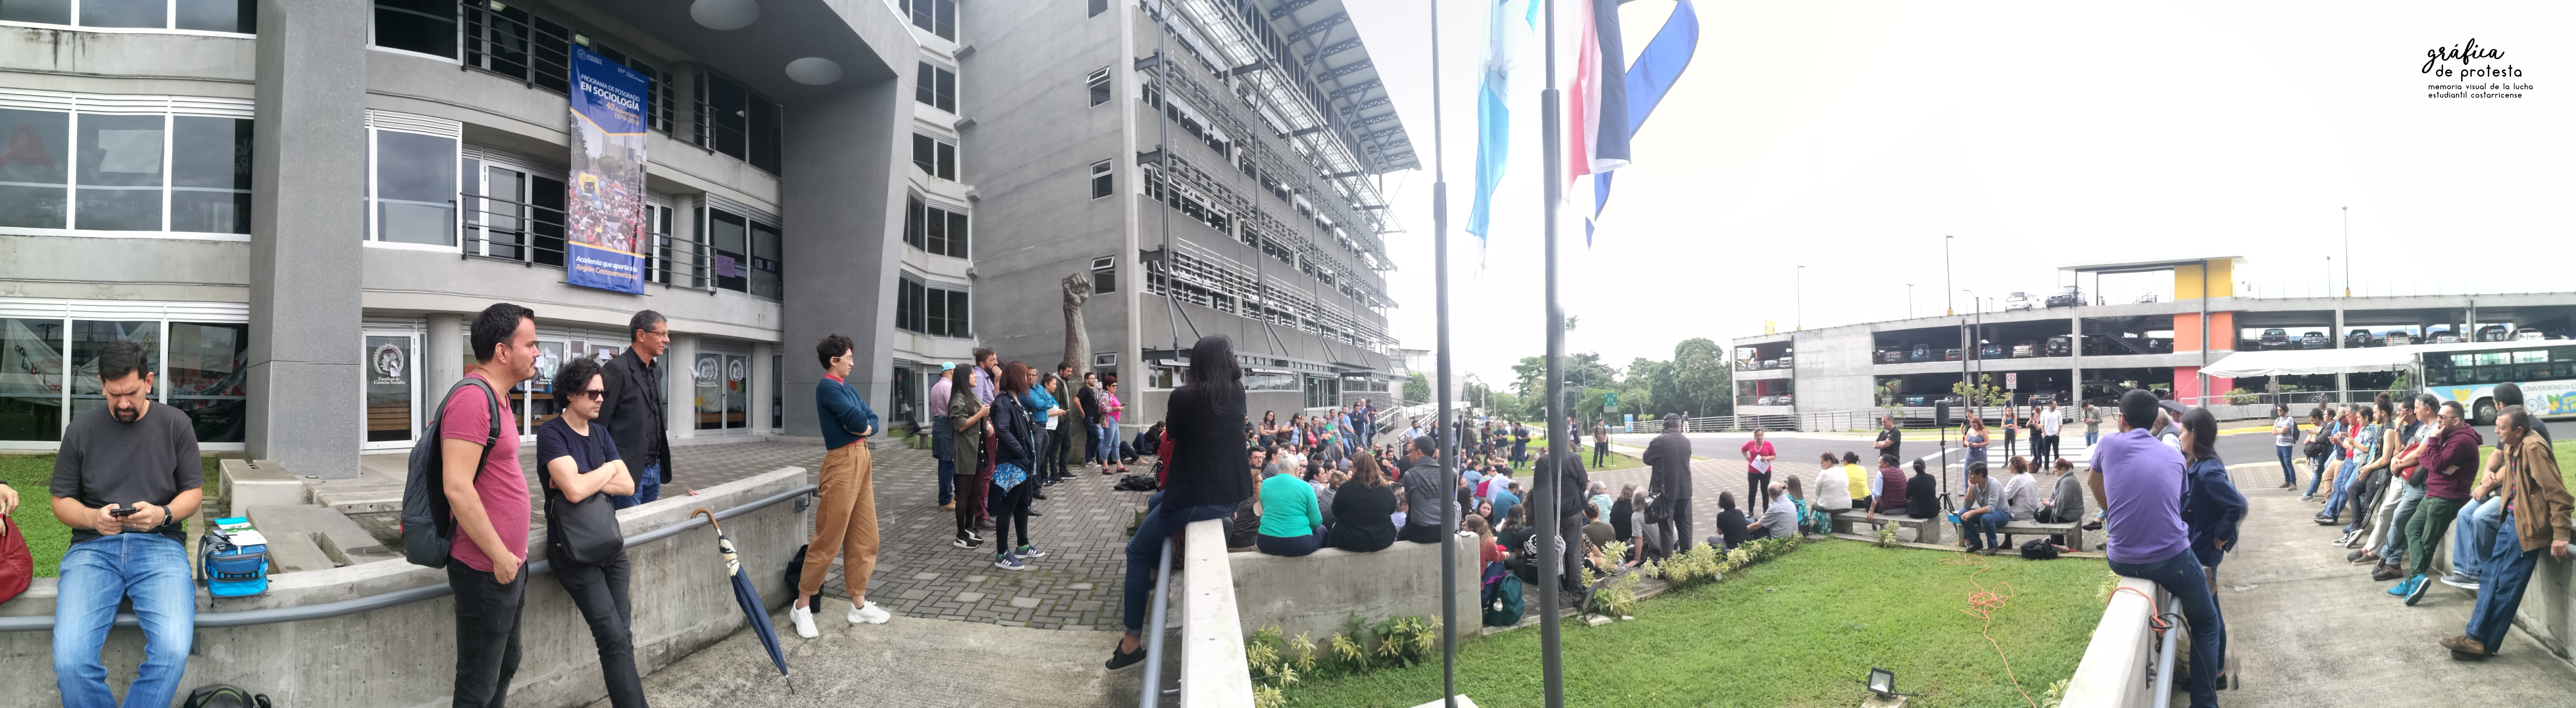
x=233, y=559
x=1503, y=605
x=2038, y=549
x=224, y=695
x=796, y=576
x=428, y=527
x=1134, y=482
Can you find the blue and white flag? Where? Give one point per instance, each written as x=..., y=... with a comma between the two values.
x=1653, y=74
x=1510, y=23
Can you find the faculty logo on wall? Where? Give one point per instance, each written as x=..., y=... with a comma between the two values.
x=2466, y=70
x=388, y=364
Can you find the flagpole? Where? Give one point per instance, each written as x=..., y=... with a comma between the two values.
x=1448, y=440
x=1558, y=437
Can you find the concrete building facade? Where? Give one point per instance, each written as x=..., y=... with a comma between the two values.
x=2089, y=350
x=299, y=204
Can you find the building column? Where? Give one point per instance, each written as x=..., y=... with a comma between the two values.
x=680, y=402
x=304, y=287
x=760, y=391
x=2075, y=365
x=842, y=190
x=2343, y=381
x=442, y=354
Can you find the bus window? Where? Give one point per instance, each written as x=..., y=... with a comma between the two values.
x=2530, y=356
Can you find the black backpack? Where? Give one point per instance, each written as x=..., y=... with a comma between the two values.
x=224, y=695
x=428, y=527
x=2038, y=549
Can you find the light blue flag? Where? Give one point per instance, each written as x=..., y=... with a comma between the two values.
x=1493, y=106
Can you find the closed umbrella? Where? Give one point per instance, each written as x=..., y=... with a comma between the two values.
x=749, y=598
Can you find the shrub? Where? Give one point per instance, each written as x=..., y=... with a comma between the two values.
x=1887, y=535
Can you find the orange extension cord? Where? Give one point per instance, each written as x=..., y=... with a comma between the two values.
x=1982, y=605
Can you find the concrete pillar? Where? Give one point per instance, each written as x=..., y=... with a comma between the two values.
x=760, y=390
x=2075, y=363
x=680, y=406
x=311, y=72
x=2343, y=382
x=442, y=354
x=841, y=190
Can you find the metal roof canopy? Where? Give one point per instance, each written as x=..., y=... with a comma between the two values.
x=2118, y=267
x=2332, y=361
x=1367, y=116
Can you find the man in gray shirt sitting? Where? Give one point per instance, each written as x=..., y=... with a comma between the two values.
x=127, y=474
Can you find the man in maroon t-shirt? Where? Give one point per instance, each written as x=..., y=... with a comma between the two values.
x=489, y=499
x=1758, y=458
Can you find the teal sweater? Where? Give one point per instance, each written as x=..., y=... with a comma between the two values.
x=1288, y=507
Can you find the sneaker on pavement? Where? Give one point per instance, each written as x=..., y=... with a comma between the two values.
x=869, y=613
x=1006, y=562
x=966, y=541
x=2384, y=572
x=2415, y=588
x=2363, y=557
x=804, y=619
x=2458, y=581
x=2402, y=587
x=2464, y=648
x=1030, y=552
x=1123, y=659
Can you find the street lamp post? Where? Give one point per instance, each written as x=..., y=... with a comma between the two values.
x=2347, y=251
x=1800, y=286
x=1947, y=308
x=1909, y=301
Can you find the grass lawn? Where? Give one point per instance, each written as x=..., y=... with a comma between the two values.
x=1615, y=461
x=1800, y=630
x=47, y=538
x=2566, y=457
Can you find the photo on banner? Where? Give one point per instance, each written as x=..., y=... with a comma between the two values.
x=604, y=214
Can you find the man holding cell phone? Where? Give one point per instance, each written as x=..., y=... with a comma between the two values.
x=127, y=474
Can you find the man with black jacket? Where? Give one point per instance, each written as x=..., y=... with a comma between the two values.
x=1669, y=485
x=1571, y=481
x=633, y=407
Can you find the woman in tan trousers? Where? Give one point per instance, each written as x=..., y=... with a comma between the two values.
x=846, y=521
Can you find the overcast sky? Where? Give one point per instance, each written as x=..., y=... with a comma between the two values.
x=1850, y=136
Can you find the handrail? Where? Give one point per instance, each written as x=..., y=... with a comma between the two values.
x=2165, y=656
x=356, y=605
x=1152, y=695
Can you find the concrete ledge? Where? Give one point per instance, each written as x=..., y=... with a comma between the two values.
x=1313, y=594
x=2113, y=674
x=1214, y=672
x=247, y=483
x=338, y=537
x=296, y=553
x=404, y=655
x=1926, y=531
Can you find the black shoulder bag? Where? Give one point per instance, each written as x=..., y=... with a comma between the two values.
x=583, y=533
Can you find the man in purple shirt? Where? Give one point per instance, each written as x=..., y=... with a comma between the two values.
x=2138, y=483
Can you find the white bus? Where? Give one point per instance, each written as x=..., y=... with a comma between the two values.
x=2546, y=371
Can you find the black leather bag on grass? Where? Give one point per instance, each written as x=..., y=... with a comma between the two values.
x=584, y=533
x=2038, y=549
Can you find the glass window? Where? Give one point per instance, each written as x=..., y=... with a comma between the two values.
x=1100, y=179
x=425, y=26
x=737, y=389
x=1099, y=79
x=777, y=395
x=764, y=128
x=915, y=232
x=906, y=406
x=710, y=405
x=210, y=174
x=414, y=174
x=542, y=402
x=51, y=12
x=739, y=122
x=765, y=278
x=124, y=13
x=34, y=165
x=31, y=378
x=956, y=235
x=957, y=308
x=935, y=157
x=1099, y=6
x=729, y=236
x=88, y=337
x=1104, y=275
x=935, y=86
x=218, y=16
x=209, y=376
x=120, y=173
x=391, y=375
x=938, y=17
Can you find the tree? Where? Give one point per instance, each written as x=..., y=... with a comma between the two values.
x=1418, y=388
x=1700, y=381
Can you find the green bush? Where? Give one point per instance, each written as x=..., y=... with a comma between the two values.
x=1278, y=661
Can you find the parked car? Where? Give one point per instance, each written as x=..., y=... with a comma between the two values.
x=2022, y=301
x=2444, y=336
x=2359, y=338
x=1786, y=362
x=1782, y=400
x=2492, y=333
x=2067, y=296
x=1922, y=352
x=1915, y=401
x=2026, y=349
x=2059, y=346
x=1763, y=401
x=2315, y=340
x=2396, y=339
x=1952, y=354
x=2160, y=345
x=1892, y=356
x=1990, y=350
x=2527, y=333
x=2276, y=338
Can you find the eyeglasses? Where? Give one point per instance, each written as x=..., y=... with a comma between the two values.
x=593, y=394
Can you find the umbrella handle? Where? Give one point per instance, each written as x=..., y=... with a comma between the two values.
x=711, y=518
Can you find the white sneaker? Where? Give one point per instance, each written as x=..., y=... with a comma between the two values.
x=869, y=613
x=804, y=619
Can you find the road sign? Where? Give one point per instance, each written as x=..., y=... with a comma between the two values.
x=1609, y=400
x=2012, y=381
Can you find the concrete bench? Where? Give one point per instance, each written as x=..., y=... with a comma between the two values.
x=1926, y=531
x=2074, y=533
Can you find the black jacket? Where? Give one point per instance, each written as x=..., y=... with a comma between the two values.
x=1922, y=496
x=1014, y=433
x=1208, y=466
x=1670, y=481
x=1366, y=516
x=634, y=411
x=1572, y=482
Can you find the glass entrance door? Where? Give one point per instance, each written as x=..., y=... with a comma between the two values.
x=392, y=387
x=723, y=391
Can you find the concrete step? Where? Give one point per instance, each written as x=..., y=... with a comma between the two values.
x=354, y=500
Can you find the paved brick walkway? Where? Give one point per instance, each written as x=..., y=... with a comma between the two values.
x=919, y=574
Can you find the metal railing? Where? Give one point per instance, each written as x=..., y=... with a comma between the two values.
x=1152, y=694
x=506, y=230
x=397, y=597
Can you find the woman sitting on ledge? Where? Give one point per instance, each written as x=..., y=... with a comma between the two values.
x=1366, y=508
x=1291, y=523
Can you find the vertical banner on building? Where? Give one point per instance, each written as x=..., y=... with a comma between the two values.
x=604, y=214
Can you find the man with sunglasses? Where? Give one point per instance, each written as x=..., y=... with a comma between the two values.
x=634, y=410
x=127, y=474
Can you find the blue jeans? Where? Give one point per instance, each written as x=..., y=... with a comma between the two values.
x=152, y=570
x=648, y=487
x=2289, y=472
x=2473, y=536
x=2507, y=569
x=2180, y=575
x=1145, y=550
x=2091, y=437
x=2316, y=473
x=2393, y=551
x=1985, y=523
x=2343, y=491
x=1108, y=437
